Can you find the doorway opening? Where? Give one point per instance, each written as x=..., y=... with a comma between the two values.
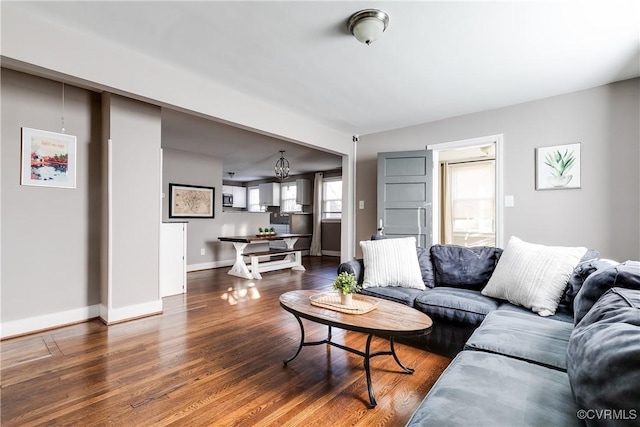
x=468, y=192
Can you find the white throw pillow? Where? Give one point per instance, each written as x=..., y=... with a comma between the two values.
x=533, y=276
x=391, y=262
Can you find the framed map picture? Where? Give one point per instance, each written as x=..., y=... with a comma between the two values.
x=48, y=159
x=191, y=201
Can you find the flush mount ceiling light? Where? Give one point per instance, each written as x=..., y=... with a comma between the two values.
x=281, y=168
x=368, y=25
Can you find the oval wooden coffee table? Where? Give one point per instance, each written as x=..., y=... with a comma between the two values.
x=388, y=320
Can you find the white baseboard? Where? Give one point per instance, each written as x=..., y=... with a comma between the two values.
x=130, y=312
x=48, y=321
x=209, y=265
x=331, y=253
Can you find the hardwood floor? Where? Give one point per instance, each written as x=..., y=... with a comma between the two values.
x=213, y=358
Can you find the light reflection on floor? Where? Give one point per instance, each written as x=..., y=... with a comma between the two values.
x=241, y=292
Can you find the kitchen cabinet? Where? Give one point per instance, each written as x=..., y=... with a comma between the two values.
x=239, y=197
x=173, y=258
x=227, y=189
x=269, y=194
x=303, y=191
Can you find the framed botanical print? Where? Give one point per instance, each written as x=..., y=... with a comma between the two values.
x=558, y=167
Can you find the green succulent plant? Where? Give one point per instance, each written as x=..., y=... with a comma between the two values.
x=346, y=283
x=560, y=163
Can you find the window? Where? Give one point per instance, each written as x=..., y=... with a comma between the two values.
x=254, y=200
x=470, y=207
x=288, y=198
x=332, y=199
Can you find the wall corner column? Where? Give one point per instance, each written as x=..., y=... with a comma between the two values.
x=131, y=213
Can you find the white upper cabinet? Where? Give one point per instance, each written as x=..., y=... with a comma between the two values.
x=239, y=197
x=269, y=194
x=303, y=191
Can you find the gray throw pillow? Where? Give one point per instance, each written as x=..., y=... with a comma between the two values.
x=588, y=265
x=460, y=267
x=426, y=267
x=625, y=275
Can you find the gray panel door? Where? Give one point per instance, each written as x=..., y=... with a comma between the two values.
x=405, y=194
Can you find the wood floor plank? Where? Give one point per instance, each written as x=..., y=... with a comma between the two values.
x=212, y=358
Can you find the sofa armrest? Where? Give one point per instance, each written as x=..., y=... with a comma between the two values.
x=355, y=267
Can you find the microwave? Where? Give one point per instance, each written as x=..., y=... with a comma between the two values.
x=227, y=200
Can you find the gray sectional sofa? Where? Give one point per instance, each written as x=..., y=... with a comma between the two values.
x=578, y=367
x=520, y=369
x=454, y=277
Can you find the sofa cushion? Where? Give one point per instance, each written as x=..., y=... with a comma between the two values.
x=625, y=275
x=484, y=389
x=424, y=261
x=461, y=267
x=455, y=305
x=391, y=262
x=563, y=316
x=533, y=276
x=604, y=357
x=527, y=337
x=399, y=294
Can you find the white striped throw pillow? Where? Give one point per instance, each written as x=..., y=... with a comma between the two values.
x=533, y=276
x=391, y=262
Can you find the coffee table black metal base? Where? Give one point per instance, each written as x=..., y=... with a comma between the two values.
x=367, y=355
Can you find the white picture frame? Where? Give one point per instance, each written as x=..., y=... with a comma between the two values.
x=558, y=167
x=48, y=159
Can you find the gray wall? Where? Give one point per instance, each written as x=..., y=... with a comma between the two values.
x=134, y=231
x=55, y=267
x=50, y=236
x=183, y=167
x=604, y=214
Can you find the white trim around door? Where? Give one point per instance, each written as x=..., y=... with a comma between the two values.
x=497, y=140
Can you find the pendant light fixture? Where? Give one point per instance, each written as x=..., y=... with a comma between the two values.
x=368, y=25
x=281, y=168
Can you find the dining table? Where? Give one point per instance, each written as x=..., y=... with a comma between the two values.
x=261, y=260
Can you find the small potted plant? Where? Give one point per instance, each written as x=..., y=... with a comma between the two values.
x=346, y=284
x=260, y=231
x=272, y=231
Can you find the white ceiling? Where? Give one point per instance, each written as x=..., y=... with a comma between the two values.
x=436, y=59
